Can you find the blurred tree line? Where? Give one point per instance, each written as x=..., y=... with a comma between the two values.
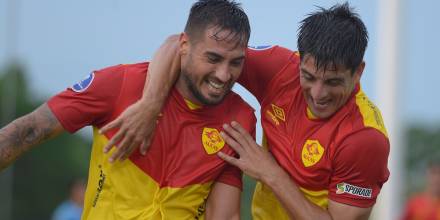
x=423, y=146
x=41, y=176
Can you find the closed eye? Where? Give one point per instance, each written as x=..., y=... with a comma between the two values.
x=237, y=62
x=307, y=76
x=334, y=82
x=213, y=57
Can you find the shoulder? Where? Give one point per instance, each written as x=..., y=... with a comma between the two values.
x=136, y=67
x=271, y=53
x=122, y=69
x=238, y=109
x=272, y=50
x=127, y=77
x=369, y=114
x=236, y=102
x=110, y=81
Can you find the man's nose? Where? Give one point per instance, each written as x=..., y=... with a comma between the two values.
x=318, y=91
x=223, y=73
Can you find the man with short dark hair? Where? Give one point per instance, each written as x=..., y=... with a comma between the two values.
x=321, y=128
x=327, y=141
x=181, y=176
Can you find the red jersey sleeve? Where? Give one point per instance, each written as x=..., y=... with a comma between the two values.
x=360, y=168
x=260, y=66
x=89, y=102
x=231, y=175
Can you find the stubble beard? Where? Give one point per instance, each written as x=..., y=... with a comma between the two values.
x=190, y=83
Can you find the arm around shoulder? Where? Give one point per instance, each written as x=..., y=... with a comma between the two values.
x=137, y=123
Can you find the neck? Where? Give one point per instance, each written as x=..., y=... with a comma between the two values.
x=183, y=89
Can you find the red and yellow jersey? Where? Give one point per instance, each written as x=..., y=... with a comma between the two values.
x=422, y=207
x=175, y=177
x=342, y=158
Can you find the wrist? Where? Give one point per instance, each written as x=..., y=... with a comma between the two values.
x=154, y=95
x=150, y=105
x=274, y=176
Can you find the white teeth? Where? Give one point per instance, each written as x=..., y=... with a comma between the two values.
x=216, y=85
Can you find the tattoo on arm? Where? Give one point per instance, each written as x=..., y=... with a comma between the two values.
x=26, y=132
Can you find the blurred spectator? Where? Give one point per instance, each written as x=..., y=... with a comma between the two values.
x=71, y=208
x=426, y=205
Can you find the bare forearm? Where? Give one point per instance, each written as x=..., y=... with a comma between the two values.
x=25, y=132
x=162, y=72
x=223, y=203
x=293, y=200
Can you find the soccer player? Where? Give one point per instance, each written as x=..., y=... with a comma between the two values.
x=180, y=176
x=426, y=205
x=327, y=141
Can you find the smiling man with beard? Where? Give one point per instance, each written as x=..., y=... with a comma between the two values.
x=181, y=176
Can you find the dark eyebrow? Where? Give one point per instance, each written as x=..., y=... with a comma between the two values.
x=239, y=58
x=305, y=71
x=216, y=55
x=335, y=78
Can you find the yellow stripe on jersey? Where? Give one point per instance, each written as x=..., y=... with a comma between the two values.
x=123, y=191
x=310, y=114
x=370, y=113
x=265, y=205
x=192, y=105
x=320, y=198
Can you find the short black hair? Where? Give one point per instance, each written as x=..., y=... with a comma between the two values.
x=334, y=36
x=222, y=14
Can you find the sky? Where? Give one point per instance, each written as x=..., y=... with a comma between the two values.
x=60, y=41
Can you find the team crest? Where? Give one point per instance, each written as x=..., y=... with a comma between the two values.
x=212, y=141
x=311, y=153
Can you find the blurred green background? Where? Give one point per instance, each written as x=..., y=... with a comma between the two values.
x=39, y=178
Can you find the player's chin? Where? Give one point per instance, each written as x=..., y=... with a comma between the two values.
x=214, y=99
x=323, y=113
